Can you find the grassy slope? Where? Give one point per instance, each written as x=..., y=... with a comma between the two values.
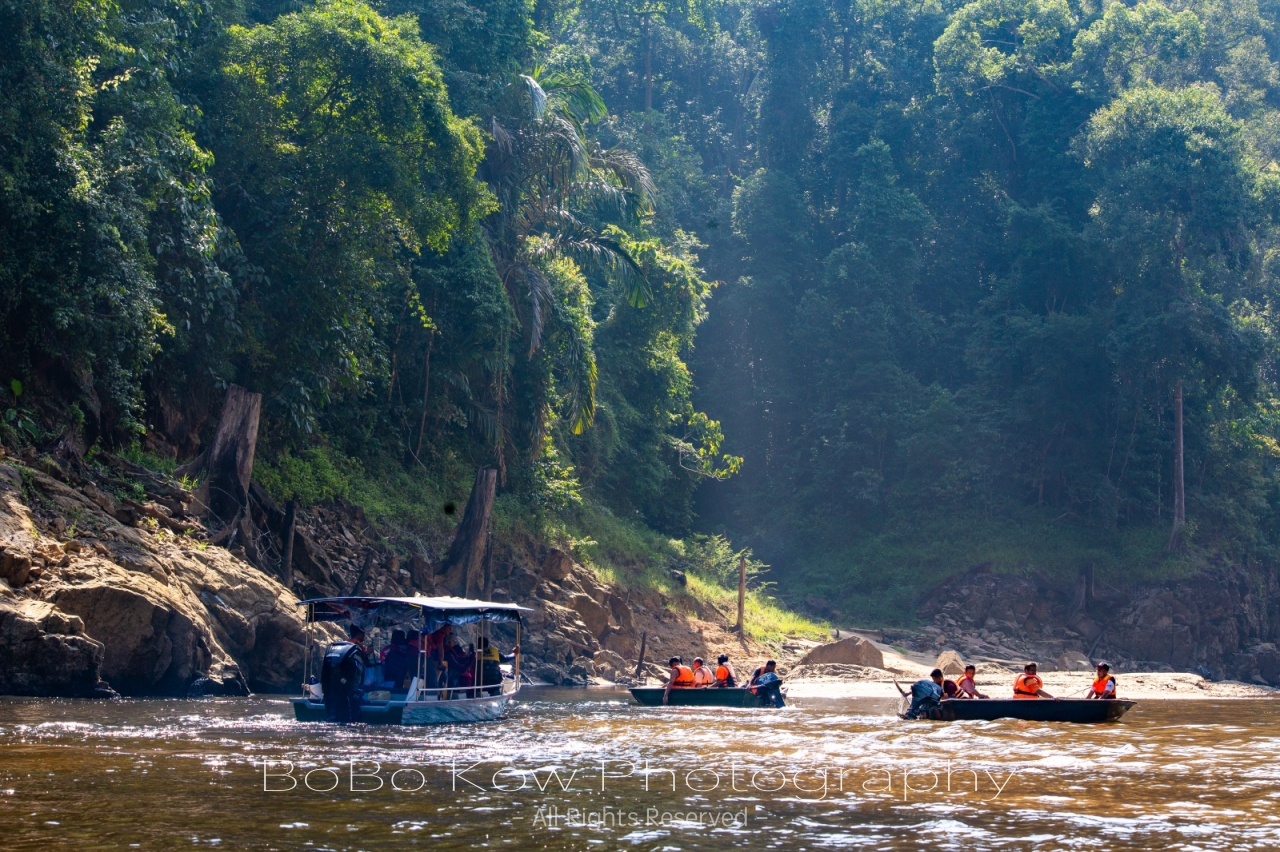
x=620, y=551
x=878, y=579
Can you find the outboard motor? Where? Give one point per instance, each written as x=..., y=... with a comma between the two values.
x=769, y=689
x=340, y=678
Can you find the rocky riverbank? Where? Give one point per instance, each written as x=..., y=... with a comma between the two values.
x=109, y=583
x=1222, y=623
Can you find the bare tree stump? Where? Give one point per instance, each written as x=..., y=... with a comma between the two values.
x=463, y=563
x=644, y=639
x=228, y=462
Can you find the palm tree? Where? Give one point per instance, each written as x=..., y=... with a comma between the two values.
x=552, y=183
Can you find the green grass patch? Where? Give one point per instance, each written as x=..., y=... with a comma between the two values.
x=765, y=620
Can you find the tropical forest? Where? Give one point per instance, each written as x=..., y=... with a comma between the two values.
x=851, y=296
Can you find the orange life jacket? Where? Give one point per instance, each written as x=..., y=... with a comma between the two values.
x=681, y=676
x=967, y=690
x=1027, y=686
x=1100, y=687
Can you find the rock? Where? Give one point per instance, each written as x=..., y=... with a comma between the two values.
x=852, y=650
x=593, y=615
x=521, y=583
x=15, y=568
x=557, y=565
x=622, y=644
x=73, y=546
x=550, y=673
x=621, y=612
x=1074, y=661
x=950, y=662
x=583, y=669
x=608, y=664
x=43, y=652
x=228, y=683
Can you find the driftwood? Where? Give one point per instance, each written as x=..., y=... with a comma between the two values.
x=465, y=559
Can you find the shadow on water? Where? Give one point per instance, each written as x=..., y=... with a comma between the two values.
x=589, y=769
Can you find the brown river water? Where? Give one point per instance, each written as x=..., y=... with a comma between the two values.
x=819, y=775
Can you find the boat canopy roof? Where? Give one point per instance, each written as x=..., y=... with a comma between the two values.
x=424, y=613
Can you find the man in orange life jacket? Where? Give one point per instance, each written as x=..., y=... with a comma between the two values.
x=968, y=686
x=1029, y=685
x=681, y=677
x=1104, y=686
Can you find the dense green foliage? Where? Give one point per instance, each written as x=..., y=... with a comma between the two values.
x=970, y=254
x=387, y=218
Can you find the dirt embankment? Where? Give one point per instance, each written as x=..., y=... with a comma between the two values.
x=108, y=582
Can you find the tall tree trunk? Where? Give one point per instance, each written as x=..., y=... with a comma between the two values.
x=1179, y=487
x=228, y=462
x=463, y=563
x=648, y=65
x=426, y=387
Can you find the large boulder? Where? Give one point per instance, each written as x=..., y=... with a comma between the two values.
x=853, y=650
x=609, y=664
x=593, y=615
x=557, y=565
x=950, y=662
x=165, y=612
x=43, y=651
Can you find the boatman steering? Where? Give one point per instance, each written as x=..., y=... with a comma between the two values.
x=1104, y=685
x=1029, y=685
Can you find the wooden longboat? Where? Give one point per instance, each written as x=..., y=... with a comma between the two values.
x=651, y=696
x=1079, y=710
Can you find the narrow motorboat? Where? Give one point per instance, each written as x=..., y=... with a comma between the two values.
x=418, y=687
x=1078, y=710
x=651, y=696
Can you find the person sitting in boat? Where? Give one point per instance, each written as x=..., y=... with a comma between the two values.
x=724, y=672
x=1104, y=685
x=398, y=662
x=968, y=686
x=766, y=684
x=681, y=677
x=462, y=665
x=436, y=644
x=949, y=688
x=702, y=675
x=926, y=695
x=491, y=665
x=1029, y=685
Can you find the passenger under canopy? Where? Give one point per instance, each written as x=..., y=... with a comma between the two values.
x=428, y=614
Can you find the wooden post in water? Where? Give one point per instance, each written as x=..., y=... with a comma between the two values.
x=644, y=637
x=742, y=590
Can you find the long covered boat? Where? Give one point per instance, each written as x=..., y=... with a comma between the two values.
x=413, y=701
x=651, y=696
x=1032, y=710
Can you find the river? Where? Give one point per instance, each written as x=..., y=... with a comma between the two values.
x=567, y=771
